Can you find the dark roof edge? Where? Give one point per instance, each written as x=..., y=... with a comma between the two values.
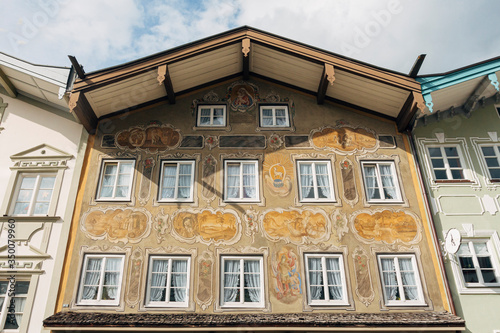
x=461, y=68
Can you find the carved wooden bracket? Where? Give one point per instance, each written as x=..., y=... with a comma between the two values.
x=164, y=78
x=245, y=46
x=328, y=76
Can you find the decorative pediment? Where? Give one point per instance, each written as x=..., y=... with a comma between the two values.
x=43, y=151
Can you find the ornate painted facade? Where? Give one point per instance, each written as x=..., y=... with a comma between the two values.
x=248, y=195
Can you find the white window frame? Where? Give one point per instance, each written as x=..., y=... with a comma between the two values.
x=420, y=301
x=100, y=288
x=323, y=257
x=496, y=148
x=240, y=196
x=447, y=167
x=101, y=177
x=4, y=310
x=242, y=303
x=160, y=184
x=274, y=107
x=212, y=107
x=167, y=302
x=492, y=256
x=395, y=177
x=315, y=184
x=36, y=189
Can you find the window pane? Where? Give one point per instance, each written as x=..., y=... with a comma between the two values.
x=492, y=162
x=437, y=163
x=435, y=152
x=457, y=174
x=451, y=151
x=440, y=174
x=470, y=276
x=47, y=182
x=489, y=276
x=205, y=121
x=454, y=162
x=495, y=173
x=488, y=151
x=466, y=262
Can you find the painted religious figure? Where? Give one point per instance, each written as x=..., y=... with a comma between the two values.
x=278, y=172
x=242, y=97
x=287, y=275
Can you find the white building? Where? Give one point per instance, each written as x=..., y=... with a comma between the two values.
x=41, y=154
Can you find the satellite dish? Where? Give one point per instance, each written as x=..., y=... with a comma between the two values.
x=452, y=241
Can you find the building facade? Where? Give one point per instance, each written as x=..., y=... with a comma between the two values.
x=458, y=150
x=245, y=182
x=42, y=146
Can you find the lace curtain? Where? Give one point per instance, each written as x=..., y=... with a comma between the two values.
x=322, y=180
x=371, y=182
x=111, y=278
x=388, y=182
x=184, y=188
x=249, y=188
x=233, y=181
x=168, y=186
x=390, y=280
x=334, y=278
x=408, y=279
x=252, y=279
x=92, y=277
x=231, y=280
x=306, y=180
x=179, y=280
x=158, y=280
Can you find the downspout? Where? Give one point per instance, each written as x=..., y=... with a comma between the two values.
x=431, y=219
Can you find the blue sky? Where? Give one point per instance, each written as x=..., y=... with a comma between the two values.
x=386, y=33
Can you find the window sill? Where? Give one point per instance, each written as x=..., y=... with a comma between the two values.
x=386, y=202
x=452, y=181
x=30, y=218
x=114, y=200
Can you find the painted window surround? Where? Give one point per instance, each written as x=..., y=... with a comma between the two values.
x=212, y=109
x=224, y=127
x=241, y=185
x=315, y=186
x=380, y=187
x=175, y=197
x=114, y=198
x=273, y=117
x=493, y=241
x=477, y=143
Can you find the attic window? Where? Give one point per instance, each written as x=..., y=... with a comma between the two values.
x=211, y=116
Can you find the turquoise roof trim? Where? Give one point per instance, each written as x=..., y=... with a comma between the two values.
x=437, y=82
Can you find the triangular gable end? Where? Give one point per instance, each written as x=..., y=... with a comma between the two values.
x=42, y=152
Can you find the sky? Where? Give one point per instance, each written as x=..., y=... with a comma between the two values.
x=386, y=33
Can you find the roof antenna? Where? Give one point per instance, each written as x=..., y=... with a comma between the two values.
x=416, y=66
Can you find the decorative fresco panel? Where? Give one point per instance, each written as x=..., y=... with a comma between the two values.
x=344, y=139
x=339, y=222
x=287, y=279
x=152, y=138
x=242, y=141
x=349, y=182
x=134, y=274
x=251, y=223
x=278, y=174
x=243, y=96
x=207, y=226
x=297, y=141
x=209, y=168
x=296, y=226
x=364, y=288
x=192, y=141
x=116, y=225
x=385, y=226
x=204, y=296
x=147, y=171
x=161, y=226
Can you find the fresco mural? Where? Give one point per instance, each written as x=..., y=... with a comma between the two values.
x=364, y=288
x=296, y=226
x=243, y=96
x=252, y=225
x=116, y=225
x=135, y=271
x=339, y=222
x=385, y=226
x=204, y=293
x=278, y=174
x=343, y=139
x=349, y=182
x=287, y=279
x=208, y=178
x=152, y=139
x=147, y=171
x=207, y=226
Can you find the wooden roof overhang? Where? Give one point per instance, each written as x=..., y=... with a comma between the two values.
x=242, y=53
x=461, y=90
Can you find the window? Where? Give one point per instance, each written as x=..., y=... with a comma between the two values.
x=274, y=116
x=381, y=181
x=168, y=282
x=326, y=283
x=242, y=283
x=211, y=116
x=33, y=194
x=315, y=181
x=491, y=156
x=241, y=181
x=446, y=163
x=9, y=320
x=477, y=264
x=101, y=280
x=176, y=181
x=116, y=180
x=400, y=280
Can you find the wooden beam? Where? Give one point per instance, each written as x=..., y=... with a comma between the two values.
x=471, y=103
x=164, y=78
x=416, y=66
x=245, y=49
x=328, y=76
x=78, y=68
x=7, y=85
x=413, y=103
x=80, y=106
